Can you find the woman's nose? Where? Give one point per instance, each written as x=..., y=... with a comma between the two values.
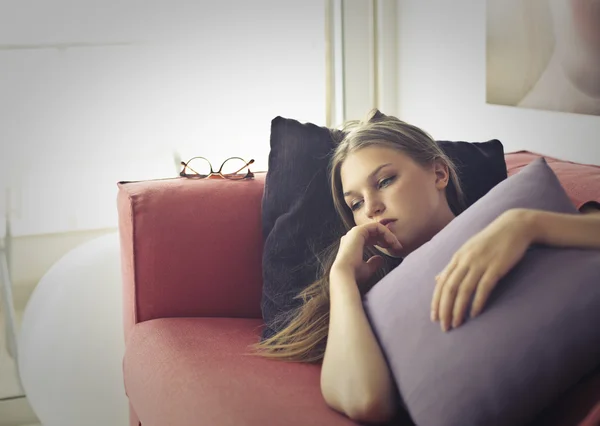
x=374, y=208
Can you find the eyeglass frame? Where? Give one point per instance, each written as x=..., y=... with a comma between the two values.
x=218, y=174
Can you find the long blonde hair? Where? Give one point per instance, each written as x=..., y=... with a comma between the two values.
x=304, y=337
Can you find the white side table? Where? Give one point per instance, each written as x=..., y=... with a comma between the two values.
x=8, y=307
x=11, y=381
x=71, y=339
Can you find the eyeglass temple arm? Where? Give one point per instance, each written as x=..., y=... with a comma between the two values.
x=243, y=167
x=188, y=167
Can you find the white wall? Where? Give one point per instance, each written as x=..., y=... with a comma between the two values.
x=92, y=92
x=442, y=86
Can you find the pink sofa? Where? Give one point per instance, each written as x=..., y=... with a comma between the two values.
x=191, y=259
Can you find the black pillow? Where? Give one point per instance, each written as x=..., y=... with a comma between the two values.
x=298, y=216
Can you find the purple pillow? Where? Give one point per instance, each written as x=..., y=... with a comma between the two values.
x=537, y=336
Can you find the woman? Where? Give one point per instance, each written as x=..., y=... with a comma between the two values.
x=390, y=182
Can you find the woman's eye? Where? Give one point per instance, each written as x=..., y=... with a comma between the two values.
x=385, y=182
x=355, y=206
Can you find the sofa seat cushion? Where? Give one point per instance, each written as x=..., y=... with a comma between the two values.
x=192, y=371
x=196, y=371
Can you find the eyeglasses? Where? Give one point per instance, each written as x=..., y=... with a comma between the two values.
x=234, y=168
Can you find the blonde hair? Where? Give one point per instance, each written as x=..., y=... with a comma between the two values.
x=304, y=337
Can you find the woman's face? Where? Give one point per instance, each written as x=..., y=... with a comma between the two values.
x=383, y=183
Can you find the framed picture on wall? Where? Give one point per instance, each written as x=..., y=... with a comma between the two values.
x=544, y=54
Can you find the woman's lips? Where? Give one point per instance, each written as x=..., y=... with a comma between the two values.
x=389, y=223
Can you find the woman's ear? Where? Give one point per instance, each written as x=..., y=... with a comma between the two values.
x=442, y=174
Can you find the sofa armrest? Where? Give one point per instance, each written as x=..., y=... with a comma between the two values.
x=191, y=248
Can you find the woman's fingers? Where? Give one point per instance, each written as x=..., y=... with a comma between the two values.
x=383, y=237
x=484, y=289
x=464, y=295
x=437, y=292
x=391, y=241
x=440, y=279
x=454, y=291
x=435, y=301
x=450, y=288
x=374, y=263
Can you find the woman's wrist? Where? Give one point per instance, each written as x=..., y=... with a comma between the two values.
x=341, y=278
x=525, y=222
x=339, y=270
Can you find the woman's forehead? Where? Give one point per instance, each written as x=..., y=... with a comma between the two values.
x=372, y=156
x=360, y=165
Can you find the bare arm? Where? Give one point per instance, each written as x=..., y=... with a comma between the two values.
x=565, y=230
x=355, y=379
x=476, y=268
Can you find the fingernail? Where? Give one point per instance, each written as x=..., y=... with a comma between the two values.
x=455, y=324
x=433, y=316
x=444, y=326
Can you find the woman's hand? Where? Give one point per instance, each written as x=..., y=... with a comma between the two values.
x=349, y=258
x=478, y=266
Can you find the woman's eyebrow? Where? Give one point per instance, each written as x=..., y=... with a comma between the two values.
x=373, y=173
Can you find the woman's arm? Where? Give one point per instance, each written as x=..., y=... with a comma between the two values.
x=564, y=230
x=483, y=260
x=355, y=378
